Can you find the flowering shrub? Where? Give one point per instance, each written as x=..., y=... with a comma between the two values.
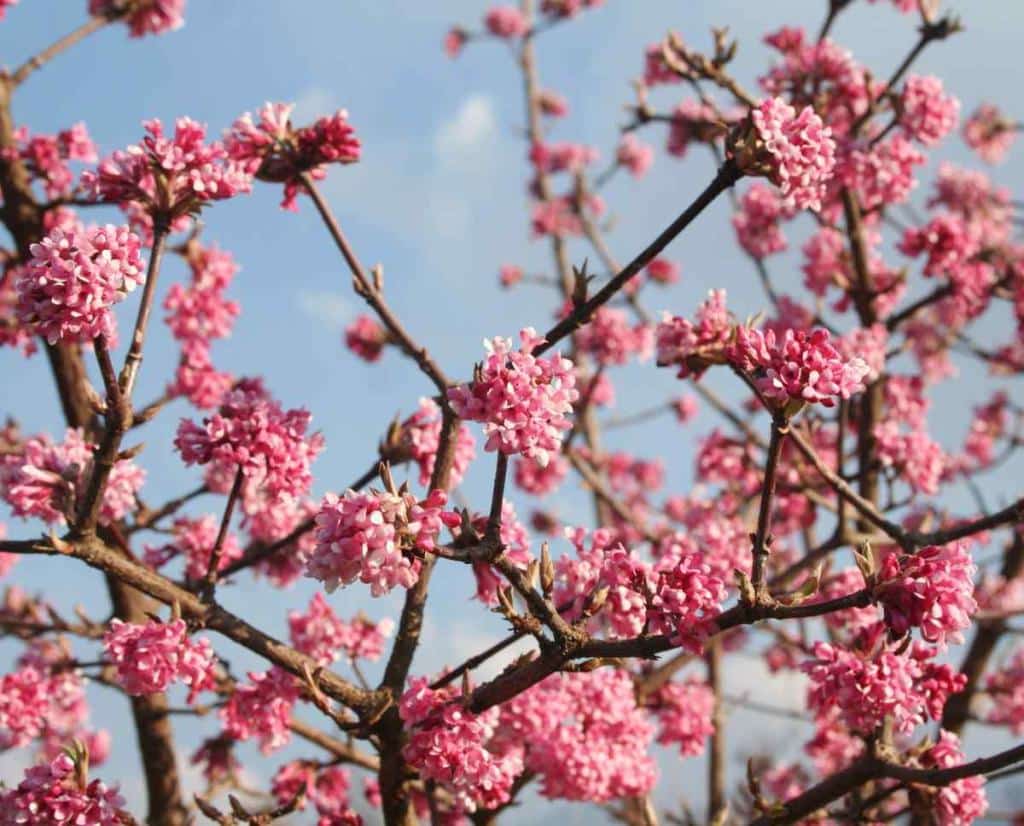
x=852, y=533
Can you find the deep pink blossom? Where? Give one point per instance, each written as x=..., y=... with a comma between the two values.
x=272, y=149
x=1006, y=686
x=962, y=801
x=510, y=275
x=145, y=16
x=882, y=174
x=73, y=279
x=663, y=271
x=366, y=338
x=150, y=657
x=552, y=104
x=371, y=537
x=522, y=400
x=561, y=157
x=516, y=543
x=926, y=113
x=321, y=634
x=931, y=590
x=53, y=794
x=948, y=241
x=168, y=176
x=692, y=121
x=864, y=689
x=262, y=708
x=506, y=22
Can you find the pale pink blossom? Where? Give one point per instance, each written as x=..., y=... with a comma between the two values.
x=45, y=480
x=757, y=222
x=371, y=537
x=990, y=133
x=634, y=155
x=695, y=346
x=799, y=366
x=73, y=279
x=926, y=113
x=194, y=539
x=685, y=711
x=262, y=708
x=795, y=151
x=168, y=176
x=522, y=400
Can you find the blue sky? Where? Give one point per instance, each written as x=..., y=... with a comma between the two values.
x=438, y=200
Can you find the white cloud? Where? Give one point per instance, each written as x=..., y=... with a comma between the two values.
x=472, y=129
x=312, y=103
x=332, y=309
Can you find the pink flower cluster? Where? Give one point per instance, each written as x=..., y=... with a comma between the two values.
x=74, y=277
x=52, y=794
x=516, y=541
x=366, y=338
x=506, y=22
x=931, y=590
x=262, y=708
x=537, y=479
x=372, y=537
x=273, y=150
x=197, y=314
x=757, y=222
x=168, y=177
x=989, y=133
x=583, y=734
x=1005, y=685
x=420, y=435
x=46, y=156
x=321, y=634
x=687, y=599
x=796, y=152
x=684, y=711
x=920, y=460
x=883, y=174
x=43, y=480
x=251, y=432
x=799, y=366
x=149, y=657
x=194, y=540
x=962, y=801
x=663, y=271
x=548, y=158
x=926, y=113
x=448, y=744
x=948, y=241
x=326, y=787
x=522, y=400
x=635, y=156
x=695, y=346
x=868, y=682
x=561, y=9
x=144, y=17
x=612, y=340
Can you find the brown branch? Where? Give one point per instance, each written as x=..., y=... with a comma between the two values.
x=39, y=60
x=727, y=175
x=762, y=535
x=717, y=752
x=370, y=292
x=209, y=584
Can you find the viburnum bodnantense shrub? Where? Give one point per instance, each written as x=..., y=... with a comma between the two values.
x=818, y=537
